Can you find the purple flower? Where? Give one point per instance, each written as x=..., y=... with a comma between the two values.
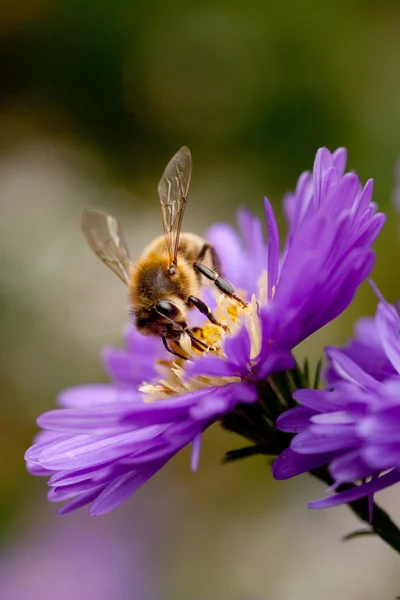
x=354, y=426
x=106, y=441
x=109, y=439
x=332, y=224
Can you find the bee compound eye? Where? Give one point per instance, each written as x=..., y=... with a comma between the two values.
x=167, y=309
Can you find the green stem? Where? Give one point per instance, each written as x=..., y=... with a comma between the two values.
x=381, y=524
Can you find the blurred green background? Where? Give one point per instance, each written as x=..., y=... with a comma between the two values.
x=95, y=97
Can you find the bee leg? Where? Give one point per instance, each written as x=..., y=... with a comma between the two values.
x=222, y=284
x=199, y=343
x=205, y=310
x=164, y=339
x=207, y=248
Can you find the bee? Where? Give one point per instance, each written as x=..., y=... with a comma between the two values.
x=166, y=281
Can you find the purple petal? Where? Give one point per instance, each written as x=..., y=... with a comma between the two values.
x=252, y=232
x=273, y=248
x=341, y=417
x=210, y=365
x=129, y=368
x=38, y=470
x=61, y=478
x=339, y=160
x=85, y=450
x=290, y=464
x=321, y=163
x=295, y=419
x=367, y=234
x=363, y=201
x=324, y=439
x=96, y=395
x=50, y=438
x=229, y=249
x=388, y=323
x=121, y=488
x=213, y=401
x=382, y=456
x=367, y=351
x=153, y=413
x=381, y=426
x=76, y=420
x=275, y=361
x=358, y=492
x=237, y=350
x=348, y=468
x=195, y=457
x=319, y=400
x=349, y=370
x=137, y=344
x=80, y=501
x=223, y=399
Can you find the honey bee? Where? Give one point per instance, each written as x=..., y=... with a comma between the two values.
x=166, y=281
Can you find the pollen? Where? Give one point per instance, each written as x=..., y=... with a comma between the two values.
x=174, y=380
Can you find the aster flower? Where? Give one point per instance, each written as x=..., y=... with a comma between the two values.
x=109, y=439
x=354, y=426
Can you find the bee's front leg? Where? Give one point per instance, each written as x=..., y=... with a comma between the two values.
x=208, y=249
x=205, y=310
x=167, y=347
x=222, y=284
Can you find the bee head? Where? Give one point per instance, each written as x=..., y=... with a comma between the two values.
x=170, y=318
x=165, y=319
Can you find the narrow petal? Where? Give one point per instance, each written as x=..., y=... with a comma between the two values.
x=315, y=440
x=121, y=489
x=223, y=399
x=229, y=249
x=349, y=370
x=321, y=163
x=61, y=478
x=85, y=450
x=195, y=456
x=348, y=468
x=95, y=395
x=81, y=500
x=290, y=464
x=363, y=201
x=237, y=350
x=295, y=419
x=273, y=248
x=339, y=160
x=210, y=365
x=358, y=492
x=388, y=323
x=382, y=456
x=252, y=232
x=340, y=417
x=75, y=420
x=124, y=367
x=381, y=426
x=318, y=400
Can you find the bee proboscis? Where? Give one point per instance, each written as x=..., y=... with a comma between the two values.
x=165, y=282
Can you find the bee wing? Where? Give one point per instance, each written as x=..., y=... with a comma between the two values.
x=104, y=235
x=173, y=190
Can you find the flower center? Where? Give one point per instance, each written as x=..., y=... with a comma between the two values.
x=174, y=379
